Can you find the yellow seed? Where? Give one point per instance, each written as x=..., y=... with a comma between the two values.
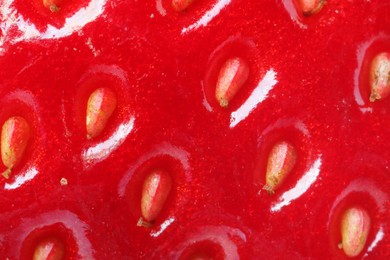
x=355, y=226
x=15, y=135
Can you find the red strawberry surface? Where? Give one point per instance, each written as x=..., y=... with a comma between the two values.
x=308, y=85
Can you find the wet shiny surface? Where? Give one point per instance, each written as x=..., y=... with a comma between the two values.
x=307, y=85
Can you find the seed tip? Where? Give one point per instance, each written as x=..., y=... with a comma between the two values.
x=269, y=189
x=374, y=97
x=54, y=8
x=142, y=223
x=310, y=7
x=7, y=173
x=223, y=102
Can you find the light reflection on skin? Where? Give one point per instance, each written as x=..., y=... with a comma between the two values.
x=160, y=8
x=25, y=97
x=112, y=70
x=258, y=95
x=286, y=122
x=102, y=150
x=21, y=178
x=11, y=18
x=238, y=38
x=379, y=236
x=292, y=11
x=163, y=227
x=160, y=150
x=207, y=17
x=303, y=184
x=69, y=219
x=205, y=102
x=221, y=235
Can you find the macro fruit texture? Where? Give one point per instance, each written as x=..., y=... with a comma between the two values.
x=308, y=84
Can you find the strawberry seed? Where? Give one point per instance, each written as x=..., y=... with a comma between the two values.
x=14, y=138
x=281, y=161
x=101, y=104
x=310, y=7
x=232, y=76
x=156, y=189
x=355, y=226
x=380, y=77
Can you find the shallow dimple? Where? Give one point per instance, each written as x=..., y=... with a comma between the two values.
x=27, y=30
x=60, y=223
x=221, y=239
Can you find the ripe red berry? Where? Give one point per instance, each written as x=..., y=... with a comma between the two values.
x=188, y=107
x=14, y=138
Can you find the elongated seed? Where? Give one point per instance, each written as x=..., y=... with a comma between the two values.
x=232, y=76
x=355, y=226
x=281, y=161
x=101, y=104
x=155, y=191
x=14, y=138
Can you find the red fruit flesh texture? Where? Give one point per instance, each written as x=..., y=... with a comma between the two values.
x=308, y=84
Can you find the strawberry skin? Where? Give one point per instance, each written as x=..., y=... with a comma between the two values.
x=307, y=84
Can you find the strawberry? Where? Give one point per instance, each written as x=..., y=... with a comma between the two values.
x=176, y=115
